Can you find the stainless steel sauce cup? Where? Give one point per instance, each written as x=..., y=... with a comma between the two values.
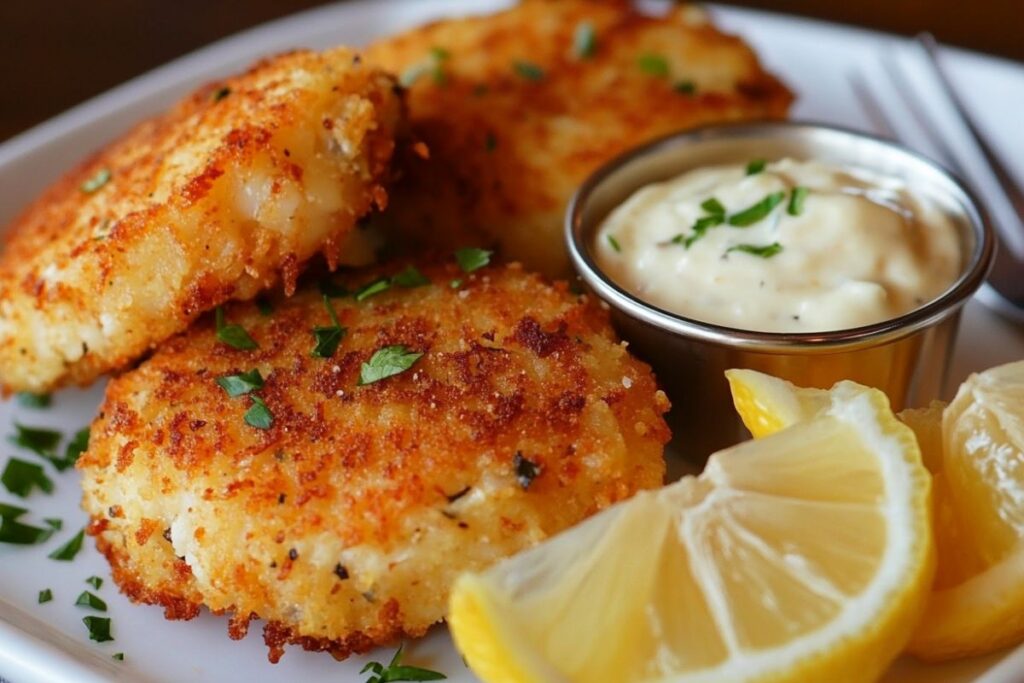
x=907, y=357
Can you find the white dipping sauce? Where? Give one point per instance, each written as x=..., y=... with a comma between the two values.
x=861, y=249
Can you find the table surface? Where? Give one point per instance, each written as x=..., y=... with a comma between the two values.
x=57, y=53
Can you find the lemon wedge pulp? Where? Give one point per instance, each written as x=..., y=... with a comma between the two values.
x=805, y=555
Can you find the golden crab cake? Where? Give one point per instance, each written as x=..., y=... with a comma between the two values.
x=456, y=419
x=229, y=192
x=517, y=108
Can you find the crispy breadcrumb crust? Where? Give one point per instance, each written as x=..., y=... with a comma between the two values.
x=344, y=525
x=230, y=191
x=514, y=117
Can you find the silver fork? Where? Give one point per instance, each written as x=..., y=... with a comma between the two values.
x=1003, y=199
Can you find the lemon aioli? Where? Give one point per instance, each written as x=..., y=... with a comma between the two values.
x=789, y=246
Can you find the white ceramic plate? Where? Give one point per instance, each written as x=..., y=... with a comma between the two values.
x=49, y=642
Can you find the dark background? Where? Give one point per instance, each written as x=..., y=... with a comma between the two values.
x=57, y=53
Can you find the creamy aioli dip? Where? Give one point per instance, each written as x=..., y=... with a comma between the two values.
x=852, y=248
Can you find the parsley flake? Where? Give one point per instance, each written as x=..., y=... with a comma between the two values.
x=526, y=470
x=45, y=595
x=455, y=284
x=756, y=166
x=685, y=87
x=584, y=41
x=242, y=383
x=410, y=278
x=764, y=251
x=756, y=212
x=233, y=335
x=54, y=523
x=381, y=284
x=221, y=93
x=95, y=581
x=118, y=656
x=27, y=399
x=472, y=259
x=73, y=451
x=98, y=180
x=614, y=244
x=39, y=440
x=396, y=671
x=653, y=65
x=528, y=70
x=701, y=226
x=387, y=362
x=258, y=415
x=99, y=628
x=20, y=477
x=67, y=552
x=16, y=533
x=433, y=65
x=87, y=599
x=796, y=200
x=329, y=336
x=713, y=206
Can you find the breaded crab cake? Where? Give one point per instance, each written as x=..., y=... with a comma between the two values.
x=229, y=192
x=336, y=479
x=517, y=108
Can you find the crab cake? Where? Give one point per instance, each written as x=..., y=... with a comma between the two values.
x=229, y=192
x=386, y=445
x=517, y=108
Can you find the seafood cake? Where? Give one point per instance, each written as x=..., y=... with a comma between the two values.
x=229, y=192
x=517, y=108
x=338, y=498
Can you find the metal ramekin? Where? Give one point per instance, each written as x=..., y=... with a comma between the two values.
x=907, y=356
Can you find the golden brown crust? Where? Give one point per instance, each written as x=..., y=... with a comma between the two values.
x=230, y=191
x=506, y=152
x=344, y=524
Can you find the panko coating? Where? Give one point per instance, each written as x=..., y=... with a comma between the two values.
x=229, y=192
x=337, y=502
x=517, y=108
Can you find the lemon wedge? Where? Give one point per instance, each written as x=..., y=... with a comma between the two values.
x=805, y=555
x=975, y=452
x=978, y=603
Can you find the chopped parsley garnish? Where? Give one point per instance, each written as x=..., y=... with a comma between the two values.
x=701, y=226
x=764, y=251
x=20, y=477
x=584, y=41
x=14, y=532
x=73, y=451
x=233, y=335
x=396, y=671
x=27, y=399
x=327, y=336
x=614, y=244
x=45, y=595
x=258, y=415
x=54, y=523
x=528, y=70
x=526, y=470
x=387, y=362
x=756, y=212
x=381, y=284
x=756, y=166
x=472, y=259
x=264, y=306
x=242, y=383
x=713, y=206
x=118, y=656
x=685, y=87
x=455, y=284
x=221, y=93
x=99, y=628
x=39, y=440
x=796, y=200
x=67, y=552
x=654, y=65
x=95, y=581
x=87, y=599
x=98, y=180
x=410, y=277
